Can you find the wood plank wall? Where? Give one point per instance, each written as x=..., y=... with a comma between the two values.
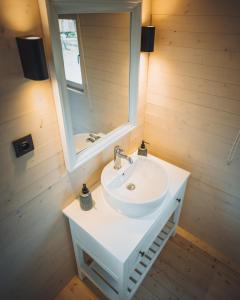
x=36, y=251
x=193, y=110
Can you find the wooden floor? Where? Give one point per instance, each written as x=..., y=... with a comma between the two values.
x=183, y=271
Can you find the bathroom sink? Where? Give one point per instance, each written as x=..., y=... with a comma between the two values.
x=136, y=189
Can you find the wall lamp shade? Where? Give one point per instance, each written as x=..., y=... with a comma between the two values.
x=32, y=57
x=147, y=38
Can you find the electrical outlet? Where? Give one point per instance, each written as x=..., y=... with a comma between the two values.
x=23, y=145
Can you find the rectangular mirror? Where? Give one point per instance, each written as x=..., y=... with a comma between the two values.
x=95, y=51
x=96, y=55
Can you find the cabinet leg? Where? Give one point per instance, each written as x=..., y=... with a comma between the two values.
x=123, y=284
x=81, y=275
x=176, y=216
x=174, y=231
x=79, y=259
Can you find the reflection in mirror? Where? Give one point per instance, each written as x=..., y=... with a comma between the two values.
x=70, y=51
x=96, y=57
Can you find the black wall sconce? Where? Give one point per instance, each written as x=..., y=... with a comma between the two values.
x=32, y=57
x=147, y=38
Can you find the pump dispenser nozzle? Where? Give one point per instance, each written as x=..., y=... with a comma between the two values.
x=143, y=146
x=142, y=150
x=85, y=189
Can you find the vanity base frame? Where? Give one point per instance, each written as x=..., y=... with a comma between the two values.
x=107, y=284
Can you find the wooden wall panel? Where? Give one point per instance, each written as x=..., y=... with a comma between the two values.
x=192, y=114
x=196, y=8
x=35, y=245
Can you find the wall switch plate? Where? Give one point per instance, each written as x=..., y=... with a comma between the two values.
x=23, y=145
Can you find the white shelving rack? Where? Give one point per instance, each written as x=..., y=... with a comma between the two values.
x=116, y=252
x=141, y=269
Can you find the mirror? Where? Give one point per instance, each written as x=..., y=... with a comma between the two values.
x=96, y=51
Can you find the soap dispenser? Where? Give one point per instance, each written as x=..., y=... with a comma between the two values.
x=86, y=201
x=142, y=150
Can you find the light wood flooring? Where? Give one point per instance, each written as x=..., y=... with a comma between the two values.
x=182, y=271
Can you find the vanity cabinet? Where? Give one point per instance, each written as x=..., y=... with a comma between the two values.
x=115, y=251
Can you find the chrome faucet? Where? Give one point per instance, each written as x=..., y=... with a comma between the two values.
x=118, y=154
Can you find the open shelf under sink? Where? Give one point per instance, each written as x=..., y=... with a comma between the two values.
x=109, y=285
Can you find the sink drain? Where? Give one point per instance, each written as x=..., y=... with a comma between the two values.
x=131, y=186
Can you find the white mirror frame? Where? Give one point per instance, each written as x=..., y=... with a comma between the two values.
x=50, y=9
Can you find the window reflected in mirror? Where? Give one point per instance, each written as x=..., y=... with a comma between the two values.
x=95, y=51
x=71, y=53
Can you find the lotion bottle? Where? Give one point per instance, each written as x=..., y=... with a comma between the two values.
x=142, y=150
x=86, y=201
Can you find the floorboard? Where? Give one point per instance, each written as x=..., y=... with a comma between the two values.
x=183, y=271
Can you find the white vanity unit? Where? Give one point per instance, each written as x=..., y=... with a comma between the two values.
x=116, y=251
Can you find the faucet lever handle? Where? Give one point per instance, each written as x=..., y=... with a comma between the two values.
x=117, y=149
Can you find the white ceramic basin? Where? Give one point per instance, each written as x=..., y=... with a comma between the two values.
x=136, y=189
